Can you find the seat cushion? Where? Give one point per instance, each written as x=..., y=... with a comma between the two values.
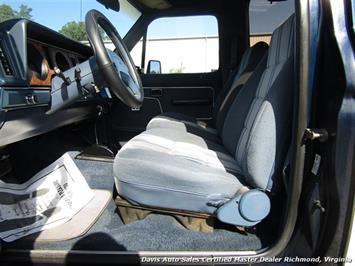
x=181, y=122
x=181, y=168
x=189, y=146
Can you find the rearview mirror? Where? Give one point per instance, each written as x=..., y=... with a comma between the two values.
x=154, y=67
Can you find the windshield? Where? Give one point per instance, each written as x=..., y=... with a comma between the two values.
x=68, y=16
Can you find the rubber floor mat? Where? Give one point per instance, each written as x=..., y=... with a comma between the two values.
x=80, y=223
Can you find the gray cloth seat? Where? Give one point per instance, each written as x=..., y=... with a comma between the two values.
x=175, y=169
x=163, y=169
x=250, y=59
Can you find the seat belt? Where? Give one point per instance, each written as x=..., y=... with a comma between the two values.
x=233, y=55
x=286, y=168
x=233, y=59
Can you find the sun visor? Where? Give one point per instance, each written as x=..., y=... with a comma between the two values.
x=156, y=4
x=110, y=4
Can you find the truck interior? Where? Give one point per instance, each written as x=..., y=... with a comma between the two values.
x=197, y=161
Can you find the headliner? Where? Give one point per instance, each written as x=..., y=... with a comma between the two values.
x=155, y=5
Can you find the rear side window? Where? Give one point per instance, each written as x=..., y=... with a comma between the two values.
x=182, y=44
x=265, y=17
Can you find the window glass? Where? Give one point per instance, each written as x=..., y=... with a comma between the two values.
x=265, y=17
x=68, y=16
x=136, y=53
x=182, y=44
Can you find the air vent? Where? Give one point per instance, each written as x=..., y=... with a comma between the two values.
x=5, y=62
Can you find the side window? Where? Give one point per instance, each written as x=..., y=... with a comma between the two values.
x=136, y=53
x=181, y=45
x=265, y=17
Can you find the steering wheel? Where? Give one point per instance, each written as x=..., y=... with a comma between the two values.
x=117, y=67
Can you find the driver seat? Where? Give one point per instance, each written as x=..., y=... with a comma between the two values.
x=171, y=169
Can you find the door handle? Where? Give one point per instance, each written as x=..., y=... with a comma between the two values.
x=156, y=92
x=192, y=102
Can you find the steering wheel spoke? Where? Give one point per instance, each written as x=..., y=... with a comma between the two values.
x=118, y=70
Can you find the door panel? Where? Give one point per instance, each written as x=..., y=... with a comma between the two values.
x=126, y=121
x=193, y=101
x=189, y=94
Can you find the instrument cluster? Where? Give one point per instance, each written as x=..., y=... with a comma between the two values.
x=43, y=58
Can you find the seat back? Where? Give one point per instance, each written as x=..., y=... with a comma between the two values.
x=258, y=124
x=238, y=78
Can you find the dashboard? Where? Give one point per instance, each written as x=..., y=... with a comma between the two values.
x=29, y=55
x=42, y=58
